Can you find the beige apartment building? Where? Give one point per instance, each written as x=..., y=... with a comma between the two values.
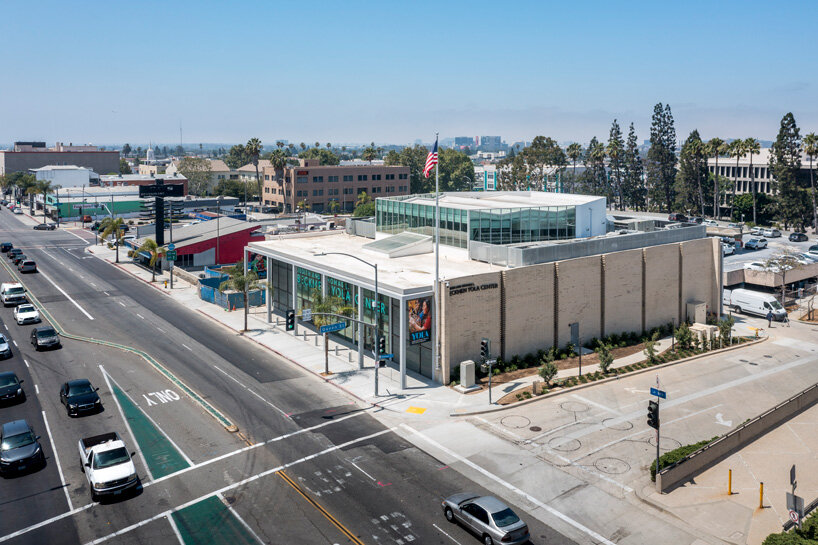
x=25, y=156
x=318, y=186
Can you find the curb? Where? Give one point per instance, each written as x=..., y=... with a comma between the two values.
x=609, y=379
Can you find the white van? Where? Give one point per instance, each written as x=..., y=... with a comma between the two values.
x=12, y=293
x=753, y=302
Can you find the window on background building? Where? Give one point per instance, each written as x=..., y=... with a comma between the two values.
x=403, y=189
x=361, y=190
x=376, y=177
x=317, y=179
x=390, y=176
x=317, y=192
x=390, y=189
x=348, y=191
x=376, y=189
x=301, y=179
x=332, y=178
x=347, y=177
x=402, y=176
x=266, y=176
x=361, y=177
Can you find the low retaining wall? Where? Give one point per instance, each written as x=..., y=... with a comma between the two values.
x=722, y=447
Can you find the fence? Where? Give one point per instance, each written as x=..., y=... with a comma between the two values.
x=714, y=452
x=209, y=291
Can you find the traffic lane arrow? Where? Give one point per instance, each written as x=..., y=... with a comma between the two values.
x=720, y=420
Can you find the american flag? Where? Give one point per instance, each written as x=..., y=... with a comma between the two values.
x=431, y=161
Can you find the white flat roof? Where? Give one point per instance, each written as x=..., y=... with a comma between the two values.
x=397, y=276
x=480, y=200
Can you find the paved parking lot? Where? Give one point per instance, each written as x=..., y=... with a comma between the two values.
x=774, y=246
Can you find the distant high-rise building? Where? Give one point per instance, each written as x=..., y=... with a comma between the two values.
x=465, y=141
x=491, y=143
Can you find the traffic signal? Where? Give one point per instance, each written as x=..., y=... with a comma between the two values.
x=290, y=320
x=485, y=348
x=653, y=414
x=381, y=345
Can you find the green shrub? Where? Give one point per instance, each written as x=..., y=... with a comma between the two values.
x=530, y=360
x=605, y=356
x=563, y=356
x=527, y=394
x=670, y=458
x=684, y=337
x=548, y=370
x=519, y=397
x=808, y=535
x=582, y=379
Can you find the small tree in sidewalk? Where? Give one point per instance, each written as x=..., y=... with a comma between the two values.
x=650, y=348
x=155, y=251
x=241, y=282
x=111, y=226
x=606, y=358
x=726, y=330
x=548, y=370
x=684, y=337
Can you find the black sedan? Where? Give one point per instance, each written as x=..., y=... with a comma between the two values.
x=45, y=227
x=799, y=237
x=19, y=258
x=6, y=246
x=19, y=448
x=13, y=252
x=45, y=337
x=10, y=388
x=79, y=397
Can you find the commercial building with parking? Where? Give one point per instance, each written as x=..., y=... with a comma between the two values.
x=516, y=268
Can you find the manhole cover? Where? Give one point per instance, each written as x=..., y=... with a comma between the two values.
x=515, y=421
x=574, y=406
x=667, y=443
x=564, y=444
x=612, y=424
x=612, y=466
x=535, y=428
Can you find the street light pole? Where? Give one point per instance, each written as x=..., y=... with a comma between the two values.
x=218, y=213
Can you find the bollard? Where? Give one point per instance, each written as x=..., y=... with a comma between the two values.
x=166, y=284
x=761, y=496
x=729, y=482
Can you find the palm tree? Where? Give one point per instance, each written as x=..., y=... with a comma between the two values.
x=329, y=145
x=303, y=146
x=44, y=187
x=811, y=149
x=334, y=205
x=111, y=226
x=752, y=147
x=156, y=252
x=716, y=147
x=736, y=149
x=317, y=144
x=242, y=282
x=253, y=150
x=369, y=153
x=574, y=152
x=698, y=150
x=363, y=198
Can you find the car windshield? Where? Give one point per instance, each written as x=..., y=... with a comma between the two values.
x=79, y=389
x=26, y=308
x=17, y=441
x=8, y=381
x=506, y=517
x=111, y=458
x=45, y=333
x=776, y=305
x=15, y=291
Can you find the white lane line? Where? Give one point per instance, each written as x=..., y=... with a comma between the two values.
x=66, y=295
x=7, y=327
x=46, y=522
x=26, y=362
x=183, y=344
x=595, y=404
x=106, y=294
x=75, y=234
x=36, y=389
x=445, y=534
x=57, y=459
x=231, y=377
x=244, y=482
x=175, y=529
x=92, y=284
x=146, y=415
x=562, y=516
x=15, y=342
x=140, y=316
x=361, y=470
x=125, y=420
x=267, y=402
x=241, y=520
x=121, y=303
x=160, y=329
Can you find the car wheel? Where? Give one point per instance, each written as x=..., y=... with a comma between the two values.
x=487, y=540
x=449, y=514
x=737, y=309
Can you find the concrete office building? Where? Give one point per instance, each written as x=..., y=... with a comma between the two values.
x=66, y=175
x=520, y=309
x=318, y=186
x=26, y=156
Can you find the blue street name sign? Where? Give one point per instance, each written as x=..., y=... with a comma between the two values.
x=386, y=356
x=658, y=393
x=332, y=327
x=171, y=246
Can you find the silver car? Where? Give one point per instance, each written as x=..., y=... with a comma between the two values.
x=487, y=517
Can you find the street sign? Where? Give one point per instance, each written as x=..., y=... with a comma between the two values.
x=82, y=206
x=386, y=356
x=658, y=393
x=171, y=246
x=306, y=315
x=171, y=255
x=333, y=327
x=161, y=190
x=794, y=516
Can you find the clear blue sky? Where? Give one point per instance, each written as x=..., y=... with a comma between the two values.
x=111, y=72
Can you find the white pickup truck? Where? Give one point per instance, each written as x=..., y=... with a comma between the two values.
x=107, y=464
x=12, y=293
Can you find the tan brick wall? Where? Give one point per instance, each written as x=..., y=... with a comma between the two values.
x=697, y=257
x=529, y=309
x=623, y=292
x=661, y=285
x=467, y=317
x=579, y=298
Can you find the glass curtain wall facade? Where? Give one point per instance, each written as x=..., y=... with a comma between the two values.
x=494, y=226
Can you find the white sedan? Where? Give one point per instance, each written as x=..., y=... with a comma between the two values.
x=727, y=249
x=710, y=223
x=26, y=314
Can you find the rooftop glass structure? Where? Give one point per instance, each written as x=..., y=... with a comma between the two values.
x=494, y=218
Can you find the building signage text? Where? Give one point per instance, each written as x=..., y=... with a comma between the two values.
x=463, y=288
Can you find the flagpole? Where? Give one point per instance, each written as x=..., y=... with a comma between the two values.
x=437, y=265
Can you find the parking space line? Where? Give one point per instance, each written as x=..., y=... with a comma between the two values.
x=66, y=295
x=25, y=361
x=69, y=231
x=183, y=344
x=121, y=303
x=57, y=460
x=140, y=316
x=486, y=473
x=125, y=421
x=445, y=534
x=175, y=529
x=241, y=520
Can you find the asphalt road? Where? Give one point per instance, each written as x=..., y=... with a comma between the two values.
x=307, y=466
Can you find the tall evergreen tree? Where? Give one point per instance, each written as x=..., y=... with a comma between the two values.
x=661, y=159
x=715, y=148
x=692, y=170
x=574, y=152
x=633, y=181
x=595, y=175
x=785, y=162
x=616, y=150
x=735, y=149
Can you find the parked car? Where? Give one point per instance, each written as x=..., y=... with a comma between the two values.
x=727, y=249
x=676, y=217
x=734, y=225
x=26, y=314
x=809, y=257
x=45, y=337
x=19, y=448
x=728, y=240
x=6, y=246
x=19, y=258
x=27, y=266
x=753, y=302
x=798, y=237
x=79, y=397
x=760, y=266
x=771, y=233
x=17, y=210
x=11, y=388
x=813, y=250
x=87, y=219
x=13, y=252
x=710, y=223
x=486, y=517
x=695, y=219
x=5, y=347
x=756, y=243
x=45, y=227
x=756, y=231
